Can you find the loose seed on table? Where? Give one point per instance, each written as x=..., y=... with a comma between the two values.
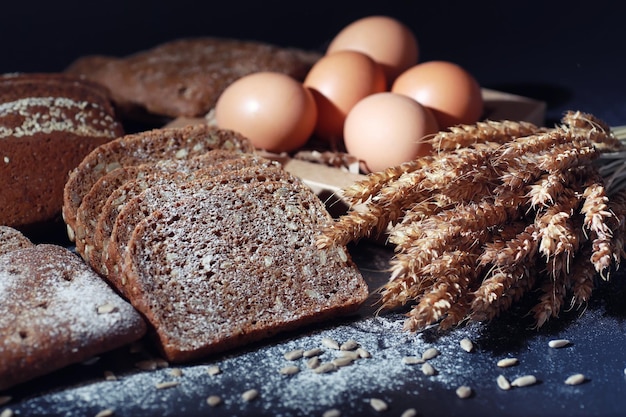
x=411, y=412
x=325, y=368
x=250, y=395
x=378, y=404
x=330, y=343
x=506, y=362
x=466, y=344
x=427, y=369
x=412, y=360
x=166, y=384
x=524, y=381
x=333, y=412
x=106, y=413
x=463, y=391
x=313, y=362
x=503, y=383
x=312, y=352
x=558, y=343
x=363, y=353
x=214, y=370
x=349, y=345
x=294, y=354
x=352, y=354
x=575, y=379
x=430, y=353
x=342, y=361
x=214, y=400
x=289, y=370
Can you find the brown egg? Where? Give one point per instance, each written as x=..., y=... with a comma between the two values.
x=387, y=129
x=276, y=112
x=337, y=82
x=386, y=40
x=449, y=91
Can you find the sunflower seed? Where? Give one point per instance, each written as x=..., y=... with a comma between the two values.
x=214, y=370
x=325, y=368
x=312, y=352
x=363, y=353
x=411, y=412
x=250, y=395
x=214, y=400
x=412, y=360
x=349, y=345
x=506, y=362
x=503, y=383
x=352, y=354
x=378, y=404
x=333, y=412
x=106, y=308
x=166, y=384
x=294, y=355
x=430, y=353
x=106, y=413
x=289, y=370
x=463, y=391
x=558, y=343
x=575, y=379
x=524, y=381
x=330, y=343
x=342, y=361
x=313, y=362
x=466, y=344
x=427, y=369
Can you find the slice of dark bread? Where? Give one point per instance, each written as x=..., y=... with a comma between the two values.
x=12, y=239
x=185, y=77
x=235, y=265
x=55, y=311
x=161, y=193
x=48, y=123
x=144, y=147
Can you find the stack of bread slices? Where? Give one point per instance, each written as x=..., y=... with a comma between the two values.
x=211, y=243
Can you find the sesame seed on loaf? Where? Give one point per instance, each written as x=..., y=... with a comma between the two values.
x=234, y=265
x=12, y=239
x=48, y=123
x=144, y=147
x=55, y=311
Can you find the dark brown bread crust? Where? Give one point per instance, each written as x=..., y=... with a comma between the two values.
x=237, y=265
x=12, y=239
x=48, y=123
x=55, y=311
x=185, y=77
x=145, y=147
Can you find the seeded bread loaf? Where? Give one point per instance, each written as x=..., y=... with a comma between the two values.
x=55, y=311
x=161, y=193
x=12, y=239
x=236, y=265
x=144, y=147
x=185, y=77
x=48, y=123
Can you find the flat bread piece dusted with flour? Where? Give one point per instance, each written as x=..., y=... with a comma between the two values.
x=55, y=311
x=48, y=123
x=140, y=148
x=235, y=265
x=185, y=77
x=12, y=239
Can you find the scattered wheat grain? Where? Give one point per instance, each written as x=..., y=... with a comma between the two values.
x=507, y=362
x=294, y=354
x=575, y=379
x=378, y=405
x=463, y=392
x=106, y=413
x=214, y=370
x=349, y=345
x=214, y=400
x=333, y=412
x=289, y=370
x=313, y=362
x=503, y=383
x=312, y=352
x=410, y=412
x=430, y=353
x=250, y=395
x=342, y=361
x=524, y=381
x=559, y=343
x=412, y=360
x=325, y=368
x=330, y=343
x=167, y=384
x=466, y=344
x=428, y=370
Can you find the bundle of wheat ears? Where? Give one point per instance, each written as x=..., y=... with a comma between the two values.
x=498, y=210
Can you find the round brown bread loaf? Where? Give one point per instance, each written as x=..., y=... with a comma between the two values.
x=55, y=311
x=144, y=147
x=48, y=123
x=12, y=239
x=185, y=77
x=236, y=265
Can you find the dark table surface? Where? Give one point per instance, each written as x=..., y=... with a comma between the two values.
x=569, y=54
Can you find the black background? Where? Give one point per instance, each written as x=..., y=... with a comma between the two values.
x=570, y=54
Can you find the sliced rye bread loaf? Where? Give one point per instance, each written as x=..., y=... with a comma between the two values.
x=92, y=206
x=12, y=239
x=55, y=311
x=162, y=193
x=124, y=193
x=48, y=123
x=144, y=147
x=185, y=77
x=236, y=265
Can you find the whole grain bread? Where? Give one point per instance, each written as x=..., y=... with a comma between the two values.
x=55, y=311
x=236, y=265
x=162, y=192
x=185, y=77
x=48, y=123
x=144, y=147
x=12, y=239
